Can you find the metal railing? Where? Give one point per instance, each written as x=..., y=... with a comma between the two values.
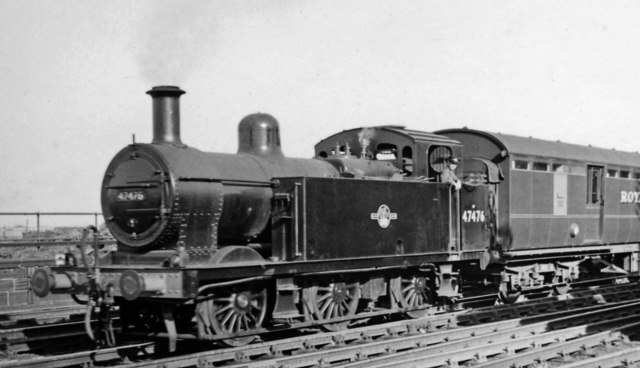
x=39, y=214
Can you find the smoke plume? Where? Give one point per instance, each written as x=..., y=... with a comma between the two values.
x=172, y=38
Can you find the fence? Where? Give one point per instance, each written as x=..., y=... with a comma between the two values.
x=38, y=215
x=20, y=257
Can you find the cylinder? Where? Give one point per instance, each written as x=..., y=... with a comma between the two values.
x=166, y=115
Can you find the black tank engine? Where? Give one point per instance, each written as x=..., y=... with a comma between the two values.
x=221, y=247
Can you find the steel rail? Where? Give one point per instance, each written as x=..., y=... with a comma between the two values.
x=420, y=328
x=483, y=346
x=85, y=358
x=45, y=337
x=40, y=315
x=483, y=314
x=590, y=300
x=542, y=354
x=444, y=318
x=623, y=358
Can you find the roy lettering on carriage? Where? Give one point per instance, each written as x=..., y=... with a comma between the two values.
x=629, y=197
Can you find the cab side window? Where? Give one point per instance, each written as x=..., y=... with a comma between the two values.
x=407, y=161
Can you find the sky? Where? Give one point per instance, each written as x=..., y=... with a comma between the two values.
x=74, y=74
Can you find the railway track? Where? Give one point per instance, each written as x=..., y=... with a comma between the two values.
x=42, y=339
x=520, y=345
x=40, y=315
x=499, y=333
x=42, y=330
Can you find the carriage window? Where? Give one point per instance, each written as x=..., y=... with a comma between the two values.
x=636, y=176
x=594, y=184
x=612, y=173
x=520, y=164
x=624, y=174
x=540, y=166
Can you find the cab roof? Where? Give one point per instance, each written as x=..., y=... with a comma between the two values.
x=416, y=136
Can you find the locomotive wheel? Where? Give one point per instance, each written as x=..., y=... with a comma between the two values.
x=412, y=291
x=235, y=311
x=335, y=300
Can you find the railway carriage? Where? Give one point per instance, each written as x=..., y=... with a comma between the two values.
x=560, y=201
x=223, y=247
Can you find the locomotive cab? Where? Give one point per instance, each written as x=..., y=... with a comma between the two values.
x=421, y=157
x=414, y=154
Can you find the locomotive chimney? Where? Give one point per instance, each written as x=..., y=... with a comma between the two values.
x=166, y=115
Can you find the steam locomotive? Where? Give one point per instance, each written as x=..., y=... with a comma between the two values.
x=222, y=247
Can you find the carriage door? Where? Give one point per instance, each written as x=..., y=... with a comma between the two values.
x=595, y=202
x=559, y=192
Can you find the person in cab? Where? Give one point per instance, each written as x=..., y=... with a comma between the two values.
x=448, y=174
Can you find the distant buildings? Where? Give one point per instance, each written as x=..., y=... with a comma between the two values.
x=67, y=232
x=22, y=232
x=13, y=232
